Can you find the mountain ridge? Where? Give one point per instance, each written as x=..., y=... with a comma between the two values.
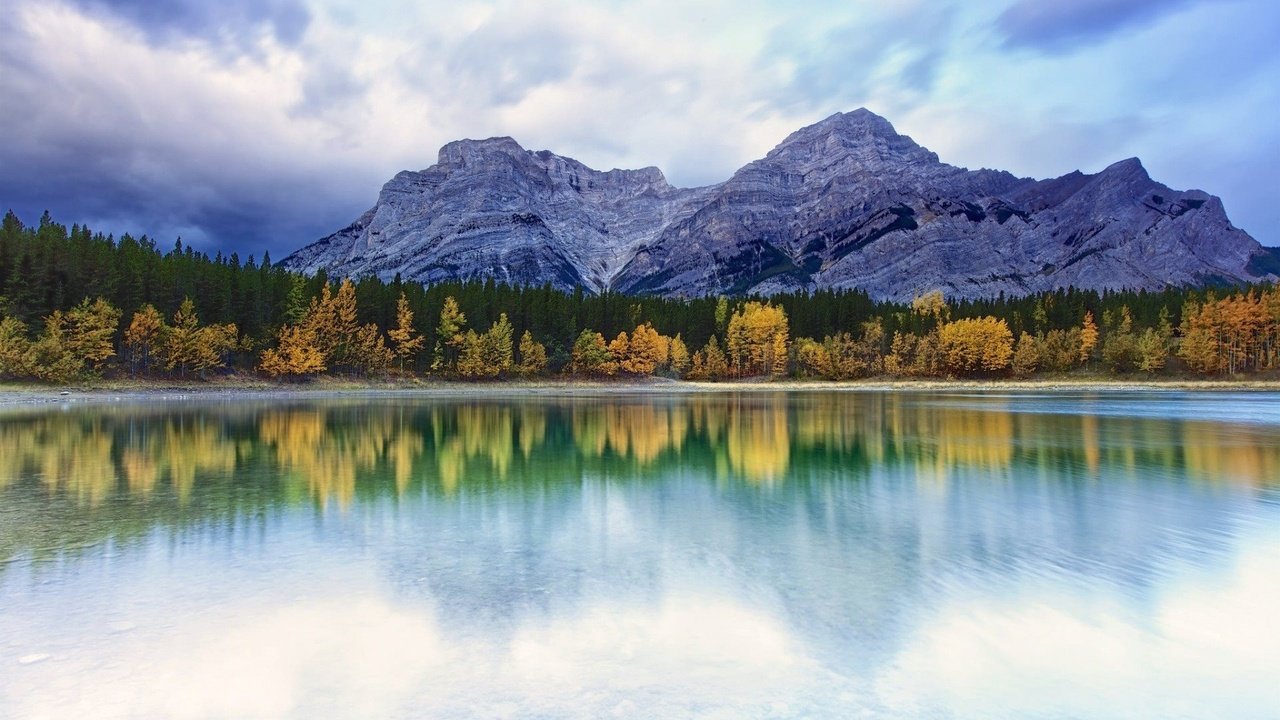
x=846, y=202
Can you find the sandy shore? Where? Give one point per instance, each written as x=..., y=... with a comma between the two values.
x=258, y=390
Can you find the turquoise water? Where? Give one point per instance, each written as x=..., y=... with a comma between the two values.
x=897, y=555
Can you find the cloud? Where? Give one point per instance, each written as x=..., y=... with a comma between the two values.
x=893, y=51
x=168, y=141
x=1061, y=25
x=510, y=56
x=247, y=125
x=238, y=22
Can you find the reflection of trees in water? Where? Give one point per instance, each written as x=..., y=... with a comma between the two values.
x=204, y=461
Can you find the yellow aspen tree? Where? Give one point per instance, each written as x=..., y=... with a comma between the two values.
x=812, y=358
x=1199, y=346
x=780, y=359
x=751, y=338
x=976, y=345
x=697, y=367
x=321, y=322
x=932, y=305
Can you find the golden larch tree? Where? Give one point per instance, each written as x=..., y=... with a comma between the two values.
x=405, y=338
x=533, y=356
x=297, y=353
x=143, y=337
x=448, y=335
x=1088, y=337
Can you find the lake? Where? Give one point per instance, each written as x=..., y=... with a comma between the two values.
x=721, y=555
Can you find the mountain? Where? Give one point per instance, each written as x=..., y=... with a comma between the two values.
x=845, y=203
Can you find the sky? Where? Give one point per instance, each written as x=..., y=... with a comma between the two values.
x=251, y=125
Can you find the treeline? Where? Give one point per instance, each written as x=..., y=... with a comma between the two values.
x=75, y=304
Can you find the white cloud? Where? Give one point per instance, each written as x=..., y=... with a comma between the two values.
x=259, y=141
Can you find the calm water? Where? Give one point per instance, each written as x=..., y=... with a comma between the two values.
x=760, y=555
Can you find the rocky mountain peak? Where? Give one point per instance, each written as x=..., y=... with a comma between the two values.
x=861, y=136
x=1130, y=169
x=469, y=152
x=847, y=202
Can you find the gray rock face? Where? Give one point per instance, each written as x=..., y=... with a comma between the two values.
x=845, y=203
x=490, y=208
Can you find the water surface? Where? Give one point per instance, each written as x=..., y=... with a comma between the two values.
x=754, y=555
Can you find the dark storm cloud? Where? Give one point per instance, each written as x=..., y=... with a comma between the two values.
x=116, y=186
x=236, y=22
x=1059, y=25
x=90, y=149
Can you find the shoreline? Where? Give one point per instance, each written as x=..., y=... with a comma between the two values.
x=131, y=391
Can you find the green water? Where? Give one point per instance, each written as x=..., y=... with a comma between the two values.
x=755, y=555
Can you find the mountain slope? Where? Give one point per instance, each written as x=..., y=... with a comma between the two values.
x=847, y=202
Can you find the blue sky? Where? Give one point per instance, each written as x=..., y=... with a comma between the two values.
x=248, y=125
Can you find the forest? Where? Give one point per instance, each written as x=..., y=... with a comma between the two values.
x=77, y=305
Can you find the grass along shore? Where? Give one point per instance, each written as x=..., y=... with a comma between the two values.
x=115, y=390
